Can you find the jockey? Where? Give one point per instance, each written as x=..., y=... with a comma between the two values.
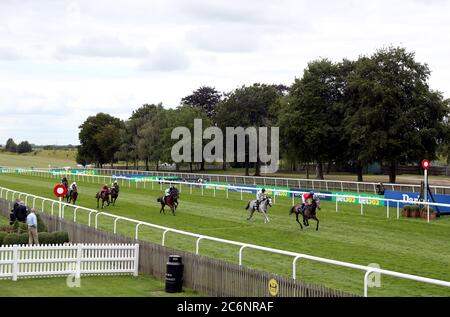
x=104, y=189
x=260, y=197
x=72, y=187
x=115, y=185
x=64, y=181
x=306, y=199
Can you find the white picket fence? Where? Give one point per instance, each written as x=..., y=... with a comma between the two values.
x=25, y=261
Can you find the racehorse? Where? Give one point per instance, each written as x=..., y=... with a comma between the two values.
x=171, y=201
x=73, y=195
x=104, y=195
x=308, y=213
x=114, y=194
x=263, y=208
x=66, y=185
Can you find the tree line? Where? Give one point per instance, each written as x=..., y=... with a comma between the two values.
x=378, y=108
x=22, y=147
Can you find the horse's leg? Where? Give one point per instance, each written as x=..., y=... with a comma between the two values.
x=98, y=202
x=317, y=227
x=251, y=214
x=267, y=220
x=296, y=218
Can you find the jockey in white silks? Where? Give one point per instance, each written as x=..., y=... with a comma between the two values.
x=260, y=197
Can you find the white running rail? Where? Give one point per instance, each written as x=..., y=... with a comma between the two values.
x=242, y=246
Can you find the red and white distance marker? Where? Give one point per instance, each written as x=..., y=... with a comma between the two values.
x=426, y=164
x=60, y=190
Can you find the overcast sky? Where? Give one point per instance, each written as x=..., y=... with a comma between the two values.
x=61, y=61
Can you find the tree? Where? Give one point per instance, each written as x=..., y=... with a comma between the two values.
x=150, y=144
x=392, y=115
x=24, y=147
x=183, y=116
x=205, y=98
x=311, y=120
x=96, y=145
x=11, y=146
x=252, y=106
x=135, y=123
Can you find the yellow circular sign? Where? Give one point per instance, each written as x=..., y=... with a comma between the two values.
x=273, y=287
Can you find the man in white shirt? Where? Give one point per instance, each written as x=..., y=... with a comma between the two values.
x=32, y=228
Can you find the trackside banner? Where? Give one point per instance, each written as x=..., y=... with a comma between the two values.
x=411, y=197
x=365, y=199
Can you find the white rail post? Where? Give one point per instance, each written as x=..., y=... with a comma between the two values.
x=163, y=242
x=294, y=266
x=137, y=231
x=387, y=212
x=15, y=266
x=366, y=286
x=136, y=259
x=115, y=225
x=398, y=210
x=240, y=254
x=197, y=245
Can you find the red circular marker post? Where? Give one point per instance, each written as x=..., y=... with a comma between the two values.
x=60, y=190
x=426, y=164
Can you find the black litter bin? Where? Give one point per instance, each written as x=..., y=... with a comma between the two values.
x=174, y=274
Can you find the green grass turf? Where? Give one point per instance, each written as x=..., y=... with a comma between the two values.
x=90, y=286
x=40, y=158
x=405, y=245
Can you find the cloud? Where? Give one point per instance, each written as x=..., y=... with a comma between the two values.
x=9, y=53
x=226, y=39
x=101, y=46
x=166, y=59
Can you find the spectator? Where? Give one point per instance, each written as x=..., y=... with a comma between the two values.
x=32, y=228
x=12, y=214
x=20, y=212
x=380, y=189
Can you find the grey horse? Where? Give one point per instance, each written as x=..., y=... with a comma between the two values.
x=263, y=208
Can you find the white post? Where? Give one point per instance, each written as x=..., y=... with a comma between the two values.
x=15, y=264
x=79, y=256
x=60, y=206
x=136, y=259
x=425, y=190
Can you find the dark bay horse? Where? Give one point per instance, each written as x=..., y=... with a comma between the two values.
x=104, y=196
x=308, y=213
x=114, y=194
x=171, y=201
x=73, y=195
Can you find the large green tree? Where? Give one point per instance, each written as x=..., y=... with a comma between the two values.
x=99, y=139
x=205, y=98
x=392, y=115
x=11, y=146
x=24, y=147
x=249, y=106
x=184, y=116
x=311, y=119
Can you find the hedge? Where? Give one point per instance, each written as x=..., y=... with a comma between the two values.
x=58, y=237
x=2, y=236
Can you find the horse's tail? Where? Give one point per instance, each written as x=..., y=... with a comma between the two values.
x=292, y=211
x=158, y=199
x=248, y=206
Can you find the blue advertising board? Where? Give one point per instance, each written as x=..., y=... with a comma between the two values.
x=410, y=197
